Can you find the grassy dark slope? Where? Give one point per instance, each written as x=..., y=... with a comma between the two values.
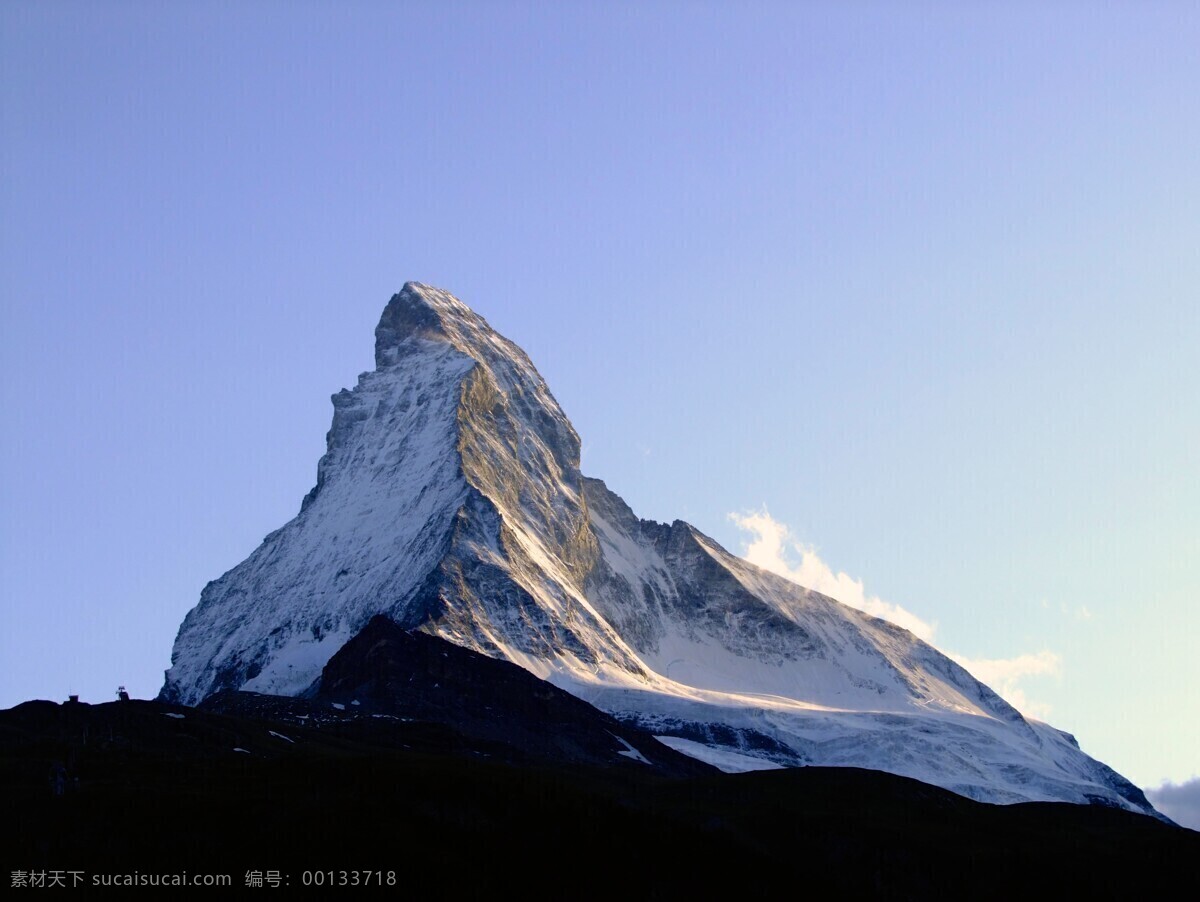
x=156, y=792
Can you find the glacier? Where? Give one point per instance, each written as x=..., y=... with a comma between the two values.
x=450, y=500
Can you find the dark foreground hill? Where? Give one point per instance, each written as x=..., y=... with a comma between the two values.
x=151, y=788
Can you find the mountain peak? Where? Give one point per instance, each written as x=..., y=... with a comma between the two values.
x=450, y=501
x=421, y=311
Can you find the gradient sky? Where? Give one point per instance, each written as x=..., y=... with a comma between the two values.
x=912, y=288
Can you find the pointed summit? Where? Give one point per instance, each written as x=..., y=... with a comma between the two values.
x=408, y=315
x=451, y=454
x=418, y=311
x=450, y=501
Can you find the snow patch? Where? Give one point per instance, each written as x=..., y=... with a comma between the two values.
x=630, y=751
x=723, y=759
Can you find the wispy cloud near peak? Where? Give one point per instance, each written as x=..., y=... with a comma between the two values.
x=1004, y=675
x=774, y=548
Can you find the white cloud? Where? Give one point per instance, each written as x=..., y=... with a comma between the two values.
x=773, y=548
x=1082, y=612
x=1178, y=801
x=770, y=549
x=1004, y=675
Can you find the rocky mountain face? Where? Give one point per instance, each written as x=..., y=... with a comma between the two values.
x=477, y=706
x=450, y=501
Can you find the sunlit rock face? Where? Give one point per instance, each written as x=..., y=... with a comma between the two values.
x=450, y=500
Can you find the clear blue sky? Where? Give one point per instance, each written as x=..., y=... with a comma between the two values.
x=920, y=280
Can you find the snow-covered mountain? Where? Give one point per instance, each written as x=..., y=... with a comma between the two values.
x=450, y=499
